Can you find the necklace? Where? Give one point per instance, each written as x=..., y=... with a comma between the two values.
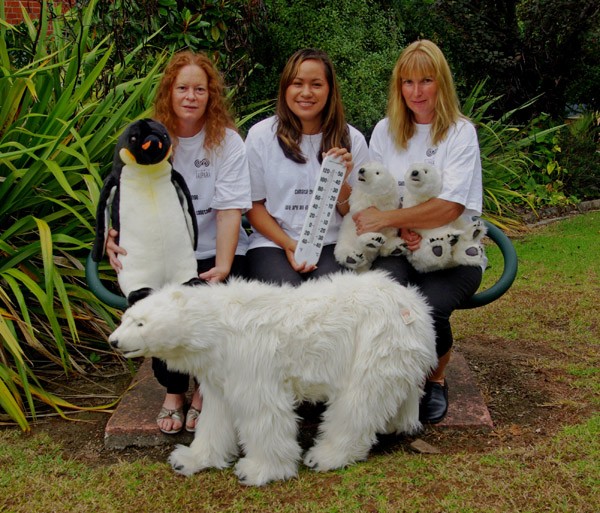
x=315, y=148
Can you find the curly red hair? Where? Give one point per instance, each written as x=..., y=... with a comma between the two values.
x=217, y=114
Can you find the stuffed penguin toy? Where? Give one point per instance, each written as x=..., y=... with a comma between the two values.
x=150, y=205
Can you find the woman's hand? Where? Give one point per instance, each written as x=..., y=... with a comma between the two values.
x=113, y=250
x=228, y=230
x=216, y=274
x=412, y=239
x=345, y=156
x=290, y=249
x=369, y=220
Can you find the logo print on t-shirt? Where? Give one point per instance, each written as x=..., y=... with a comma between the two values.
x=202, y=173
x=431, y=152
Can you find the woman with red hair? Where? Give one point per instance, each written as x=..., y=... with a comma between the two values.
x=211, y=156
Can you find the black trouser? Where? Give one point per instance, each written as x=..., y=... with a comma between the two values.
x=270, y=265
x=445, y=291
x=176, y=382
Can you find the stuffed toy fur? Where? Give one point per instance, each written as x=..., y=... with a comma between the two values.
x=150, y=205
x=361, y=343
x=375, y=187
x=458, y=243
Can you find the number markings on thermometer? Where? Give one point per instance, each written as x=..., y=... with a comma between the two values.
x=320, y=211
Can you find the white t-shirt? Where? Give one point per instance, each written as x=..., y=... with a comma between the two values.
x=287, y=186
x=457, y=156
x=218, y=179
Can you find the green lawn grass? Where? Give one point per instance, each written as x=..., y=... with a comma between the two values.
x=552, y=305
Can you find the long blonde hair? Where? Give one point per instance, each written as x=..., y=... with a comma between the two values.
x=422, y=58
x=217, y=114
x=333, y=120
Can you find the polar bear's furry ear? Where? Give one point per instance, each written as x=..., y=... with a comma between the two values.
x=179, y=297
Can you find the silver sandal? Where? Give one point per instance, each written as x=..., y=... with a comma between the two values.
x=192, y=416
x=176, y=414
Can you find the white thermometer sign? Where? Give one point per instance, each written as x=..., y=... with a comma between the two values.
x=320, y=210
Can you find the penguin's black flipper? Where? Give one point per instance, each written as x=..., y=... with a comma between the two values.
x=110, y=188
x=185, y=198
x=103, y=211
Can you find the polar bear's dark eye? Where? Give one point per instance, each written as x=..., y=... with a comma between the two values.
x=140, y=324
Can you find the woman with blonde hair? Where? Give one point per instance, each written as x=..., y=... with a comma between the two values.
x=285, y=153
x=211, y=156
x=424, y=124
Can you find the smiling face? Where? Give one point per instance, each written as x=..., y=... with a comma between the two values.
x=420, y=95
x=189, y=98
x=307, y=95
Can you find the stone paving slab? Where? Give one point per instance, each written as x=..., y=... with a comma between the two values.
x=467, y=408
x=134, y=421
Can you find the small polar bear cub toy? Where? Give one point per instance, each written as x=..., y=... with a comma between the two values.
x=458, y=243
x=375, y=187
x=361, y=343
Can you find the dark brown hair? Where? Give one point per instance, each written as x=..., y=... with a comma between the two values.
x=333, y=120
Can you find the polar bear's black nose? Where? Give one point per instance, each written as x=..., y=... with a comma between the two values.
x=114, y=343
x=361, y=171
x=415, y=172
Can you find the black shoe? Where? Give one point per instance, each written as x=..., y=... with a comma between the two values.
x=434, y=404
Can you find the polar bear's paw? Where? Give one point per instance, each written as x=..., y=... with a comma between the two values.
x=253, y=472
x=354, y=260
x=187, y=460
x=184, y=461
x=468, y=255
x=434, y=253
x=325, y=456
x=441, y=247
x=372, y=240
x=475, y=231
x=394, y=246
x=437, y=247
x=474, y=251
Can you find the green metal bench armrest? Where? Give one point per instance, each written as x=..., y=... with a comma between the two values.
x=97, y=287
x=479, y=299
x=508, y=273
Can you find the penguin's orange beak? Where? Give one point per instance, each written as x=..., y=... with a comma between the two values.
x=147, y=145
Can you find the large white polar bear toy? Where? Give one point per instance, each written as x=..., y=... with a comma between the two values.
x=362, y=343
x=457, y=243
x=375, y=187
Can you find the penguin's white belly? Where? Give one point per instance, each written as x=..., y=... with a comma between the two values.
x=154, y=233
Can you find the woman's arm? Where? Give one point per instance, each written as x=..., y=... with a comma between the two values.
x=228, y=232
x=430, y=214
x=266, y=225
x=343, y=206
x=342, y=203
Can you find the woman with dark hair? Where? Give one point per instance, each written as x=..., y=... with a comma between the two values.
x=285, y=153
x=211, y=156
x=425, y=124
